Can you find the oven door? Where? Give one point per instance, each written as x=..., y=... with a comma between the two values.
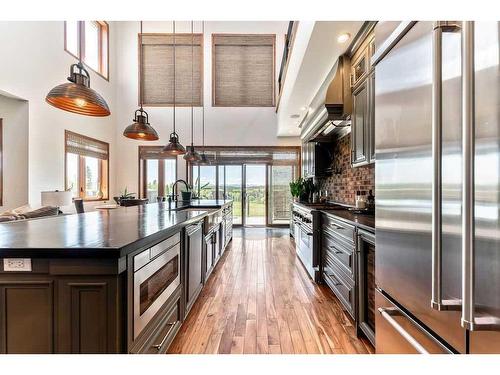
x=153, y=285
x=305, y=248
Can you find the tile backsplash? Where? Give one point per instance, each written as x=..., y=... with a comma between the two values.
x=342, y=186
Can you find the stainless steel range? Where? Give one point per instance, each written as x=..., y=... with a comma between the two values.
x=305, y=223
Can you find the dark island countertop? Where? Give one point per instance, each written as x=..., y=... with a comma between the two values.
x=102, y=234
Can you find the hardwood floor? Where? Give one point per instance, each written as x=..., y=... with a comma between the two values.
x=259, y=299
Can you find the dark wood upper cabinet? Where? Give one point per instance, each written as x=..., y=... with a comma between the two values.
x=363, y=91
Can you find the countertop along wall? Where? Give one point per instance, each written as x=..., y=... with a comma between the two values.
x=224, y=126
x=32, y=62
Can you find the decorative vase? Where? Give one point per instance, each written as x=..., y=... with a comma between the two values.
x=186, y=196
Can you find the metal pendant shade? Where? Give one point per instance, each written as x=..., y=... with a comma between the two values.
x=76, y=96
x=141, y=129
x=204, y=159
x=174, y=147
x=192, y=155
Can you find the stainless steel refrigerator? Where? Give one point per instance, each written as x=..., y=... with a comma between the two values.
x=437, y=177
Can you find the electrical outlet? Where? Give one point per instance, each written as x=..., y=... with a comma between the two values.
x=17, y=265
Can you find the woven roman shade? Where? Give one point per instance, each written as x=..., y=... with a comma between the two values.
x=153, y=152
x=158, y=69
x=86, y=146
x=265, y=155
x=243, y=70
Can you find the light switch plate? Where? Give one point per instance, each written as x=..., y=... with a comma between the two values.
x=17, y=265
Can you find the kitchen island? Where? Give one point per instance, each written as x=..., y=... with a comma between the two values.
x=114, y=281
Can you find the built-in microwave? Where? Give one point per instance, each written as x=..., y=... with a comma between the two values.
x=156, y=277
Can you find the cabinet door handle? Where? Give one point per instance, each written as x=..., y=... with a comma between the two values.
x=162, y=342
x=336, y=282
x=336, y=226
x=335, y=250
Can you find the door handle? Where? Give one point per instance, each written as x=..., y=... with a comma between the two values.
x=162, y=342
x=469, y=319
x=388, y=314
x=437, y=301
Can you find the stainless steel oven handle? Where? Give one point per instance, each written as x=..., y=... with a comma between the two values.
x=469, y=319
x=387, y=314
x=162, y=342
x=437, y=301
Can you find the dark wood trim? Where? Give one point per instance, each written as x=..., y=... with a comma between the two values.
x=81, y=51
x=213, y=71
x=292, y=41
x=202, y=70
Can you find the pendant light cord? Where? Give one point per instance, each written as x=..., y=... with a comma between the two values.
x=203, y=107
x=174, y=71
x=192, y=86
x=140, y=67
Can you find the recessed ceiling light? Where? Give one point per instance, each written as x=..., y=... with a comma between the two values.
x=342, y=38
x=294, y=116
x=303, y=108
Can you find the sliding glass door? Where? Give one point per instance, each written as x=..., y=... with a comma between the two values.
x=280, y=197
x=255, y=195
x=233, y=189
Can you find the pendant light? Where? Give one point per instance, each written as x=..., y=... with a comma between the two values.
x=141, y=129
x=77, y=96
x=203, y=157
x=174, y=147
x=192, y=155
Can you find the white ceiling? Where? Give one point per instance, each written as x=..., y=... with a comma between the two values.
x=315, y=51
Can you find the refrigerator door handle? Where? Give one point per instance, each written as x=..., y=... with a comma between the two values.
x=387, y=314
x=469, y=319
x=437, y=301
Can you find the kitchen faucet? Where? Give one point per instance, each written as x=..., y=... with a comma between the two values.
x=174, y=188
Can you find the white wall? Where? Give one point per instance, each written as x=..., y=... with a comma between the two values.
x=32, y=62
x=14, y=114
x=223, y=126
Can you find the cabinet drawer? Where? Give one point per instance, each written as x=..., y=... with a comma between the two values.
x=338, y=229
x=167, y=330
x=164, y=245
x=340, y=253
x=343, y=289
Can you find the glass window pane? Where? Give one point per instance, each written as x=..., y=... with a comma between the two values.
x=281, y=198
x=207, y=182
x=195, y=179
x=72, y=173
x=233, y=190
x=152, y=179
x=220, y=189
x=92, y=181
x=72, y=37
x=92, y=44
x=169, y=174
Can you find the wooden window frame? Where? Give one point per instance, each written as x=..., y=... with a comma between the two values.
x=273, y=105
x=202, y=72
x=103, y=165
x=103, y=38
x=143, y=173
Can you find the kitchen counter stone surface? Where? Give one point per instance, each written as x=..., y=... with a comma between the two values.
x=364, y=221
x=101, y=234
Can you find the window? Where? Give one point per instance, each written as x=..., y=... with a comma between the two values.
x=1, y=162
x=86, y=166
x=243, y=68
x=157, y=173
x=157, y=78
x=88, y=40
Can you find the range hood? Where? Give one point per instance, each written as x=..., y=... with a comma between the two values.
x=334, y=104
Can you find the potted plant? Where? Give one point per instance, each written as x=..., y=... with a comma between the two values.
x=297, y=188
x=124, y=195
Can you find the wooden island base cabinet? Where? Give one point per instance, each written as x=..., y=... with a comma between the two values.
x=132, y=300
